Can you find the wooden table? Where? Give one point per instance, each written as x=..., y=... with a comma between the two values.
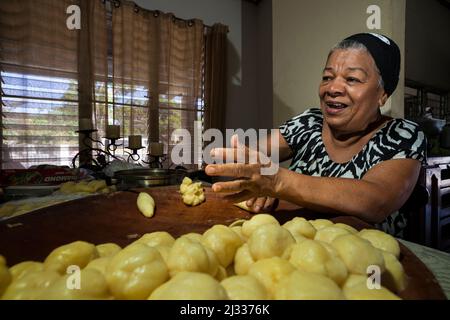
x=115, y=218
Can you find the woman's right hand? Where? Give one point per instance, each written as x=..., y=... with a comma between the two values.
x=262, y=204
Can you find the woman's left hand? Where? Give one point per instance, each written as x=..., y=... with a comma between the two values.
x=262, y=204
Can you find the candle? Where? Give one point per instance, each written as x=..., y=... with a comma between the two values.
x=135, y=142
x=156, y=149
x=85, y=124
x=113, y=131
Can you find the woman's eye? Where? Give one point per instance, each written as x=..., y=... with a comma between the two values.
x=326, y=78
x=351, y=79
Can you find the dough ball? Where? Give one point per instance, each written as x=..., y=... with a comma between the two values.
x=243, y=260
x=156, y=238
x=269, y=240
x=244, y=288
x=358, y=254
x=188, y=255
x=238, y=231
x=321, y=223
x=190, y=286
x=346, y=227
x=107, y=249
x=302, y=285
x=194, y=236
x=394, y=277
x=90, y=286
x=300, y=227
x=269, y=272
x=256, y=221
x=5, y=275
x=353, y=279
x=31, y=285
x=381, y=240
x=223, y=241
x=99, y=264
x=22, y=268
x=135, y=272
x=311, y=256
x=328, y=234
x=360, y=291
x=78, y=253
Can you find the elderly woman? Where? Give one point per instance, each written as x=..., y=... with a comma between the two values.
x=347, y=157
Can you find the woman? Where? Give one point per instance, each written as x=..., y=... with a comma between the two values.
x=347, y=157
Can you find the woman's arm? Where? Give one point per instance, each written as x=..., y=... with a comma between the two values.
x=383, y=190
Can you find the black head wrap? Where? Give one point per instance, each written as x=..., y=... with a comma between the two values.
x=386, y=54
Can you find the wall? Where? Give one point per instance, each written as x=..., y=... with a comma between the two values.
x=257, y=80
x=427, y=42
x=304, y=32
x=245, y=77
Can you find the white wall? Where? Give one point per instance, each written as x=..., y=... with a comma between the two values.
x=303, y=33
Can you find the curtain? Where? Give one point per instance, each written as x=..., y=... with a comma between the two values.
x=215, y=77
x=45, y=69
x=157, y=73
x=144, y=70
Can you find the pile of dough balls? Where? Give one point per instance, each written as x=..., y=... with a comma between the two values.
x=84, y=186
x=191, y=192
x=252, y=259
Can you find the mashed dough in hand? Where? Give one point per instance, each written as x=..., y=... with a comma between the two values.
x=192, y=192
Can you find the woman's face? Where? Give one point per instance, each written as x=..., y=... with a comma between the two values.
x=350, y=95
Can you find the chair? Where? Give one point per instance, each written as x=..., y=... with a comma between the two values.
x=428, y=208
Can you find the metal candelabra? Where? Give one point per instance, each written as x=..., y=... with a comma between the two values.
x=133, y=156
x=155, y=161
x=101, y=158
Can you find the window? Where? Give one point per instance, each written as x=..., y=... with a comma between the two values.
x=131, y=69
x=40, y=119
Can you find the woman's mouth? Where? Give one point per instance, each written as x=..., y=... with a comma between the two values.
x=335, y=107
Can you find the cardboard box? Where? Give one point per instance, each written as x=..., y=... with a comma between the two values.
x=26, y=177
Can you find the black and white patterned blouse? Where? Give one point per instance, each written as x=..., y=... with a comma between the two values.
x=397, y=139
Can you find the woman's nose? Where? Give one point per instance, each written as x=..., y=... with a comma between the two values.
x=335, y=87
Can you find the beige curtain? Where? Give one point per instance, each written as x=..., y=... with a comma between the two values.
x=46, y=73
x=157, y=72
x=215, y=77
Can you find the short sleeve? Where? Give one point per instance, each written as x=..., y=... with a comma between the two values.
x=404, y=140
x=298, y=130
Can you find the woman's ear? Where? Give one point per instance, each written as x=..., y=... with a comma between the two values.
x=382, y=100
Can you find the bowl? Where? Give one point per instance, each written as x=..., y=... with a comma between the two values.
x=149, y=177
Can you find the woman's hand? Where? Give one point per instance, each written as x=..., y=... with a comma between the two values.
x=262, y=204
x=249, y=173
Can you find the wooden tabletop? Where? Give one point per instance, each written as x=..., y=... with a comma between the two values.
x=115, y=218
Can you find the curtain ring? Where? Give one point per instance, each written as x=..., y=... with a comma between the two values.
x=117, y=3
x=156, y=14
x=190, y=23
x=136, y=8
x=174, y=19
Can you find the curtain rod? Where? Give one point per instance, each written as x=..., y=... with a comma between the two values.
x=137, y=8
